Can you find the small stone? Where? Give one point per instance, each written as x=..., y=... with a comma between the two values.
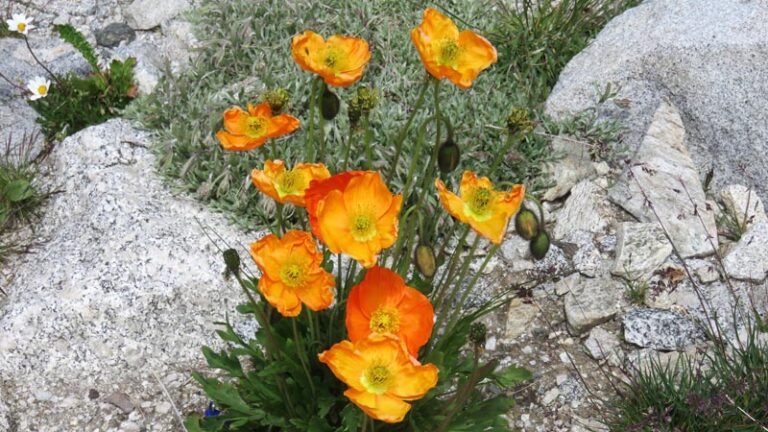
x=583, y=210
x=640, y=249
x=113, y=34
x=129, y=426
x=550, y=396
x=587, y=260
x=591, y=302
x=565, y=285
x=575, y=165
x=743, y=204
x=748, y=260
x=601, y=344
x=659, y=329
x=93, y=394
x=705, y=271
x=519, y=318
x=163, y=407
x=121, y=401
x=148, y=14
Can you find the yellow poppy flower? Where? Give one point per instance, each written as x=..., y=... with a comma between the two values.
x=340, y=60
x=448, y=53
x=381, y=376
x=486, y=210
x=247, y=130
x=287, y=186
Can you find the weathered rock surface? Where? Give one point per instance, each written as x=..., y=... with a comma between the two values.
x=662, y=186
x=748, y=260
x=585, y=210
x=575, y=166
x=126, y=287
x=641, y=248
x=519, y=318
x=602, y=344
x=591, y=302
x=659, y=329
x=148, y=14
x=703, y=56
x=743, y=204
x=113, y=34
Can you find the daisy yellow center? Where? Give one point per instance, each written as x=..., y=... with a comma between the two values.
x=376, y=378
x=21, y=26
x=449, y=52
x=385, y=320
x=479, y=203
x=255, y=127
x=292, y=275
x=290, y=183
x=42, y=90
x=363, y=226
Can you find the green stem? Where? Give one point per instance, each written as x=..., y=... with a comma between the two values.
x=348, y=150
x=280, y=222
x=321, y=136
x=367, y=143
x=511, y=139
x=460, y=307
x=404, y=132
x=303, y=356
x=452, y=263
x=445, y=305
x=309, y=149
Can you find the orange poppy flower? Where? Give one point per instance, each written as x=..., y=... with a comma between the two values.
x=448, y=53
x=354, y=213
x=247, y=130
x=340, y=60
x=381, y=376
x=479, y=205
x=291, y=273
x=383, y=304
x=287, y=186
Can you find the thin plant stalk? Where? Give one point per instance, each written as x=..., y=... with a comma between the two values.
x=404, y=132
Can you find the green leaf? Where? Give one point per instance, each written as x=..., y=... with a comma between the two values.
x=226, y=396
x=512, y=376
x=223, y=361
x=77, y=40
x=192, y=423
x=17, y=190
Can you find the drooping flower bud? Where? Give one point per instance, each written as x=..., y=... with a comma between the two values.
x=539, y=245
x=232, y=260
x=448, y=156
x=425, y=260
x=519, y=121
x=477, y=334
x=526, y=224
x=277, y=99
x=329, y=104
x=362, y=102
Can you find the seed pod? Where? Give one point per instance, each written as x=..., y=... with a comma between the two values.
x=329, y=104
x=526, y=224
x=361, y=103
x=277, y=99
x=519, y=121
x=232, y=260
x=539, y=245
x=425, y=260
x=477, y=334
x=448, y=156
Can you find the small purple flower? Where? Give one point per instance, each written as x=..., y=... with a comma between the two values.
x=211, y=411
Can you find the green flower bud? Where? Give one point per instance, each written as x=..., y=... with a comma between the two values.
x=277, y=99
x=526, y=224
x=329, y=104
x=425, y=260
x=448, y=156
x=232, y=260
x=477, y=334
x=362, y=102
x=539, y=245
x=519, y=121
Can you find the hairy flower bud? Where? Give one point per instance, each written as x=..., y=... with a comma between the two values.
x=526, y=224
x=362, y=102
x=232, y=260
x=329, y=104
x=425, y=260
x=539, y=245
x=448, y=156
x=477, y=334
x=519, y=121
x=277, y=99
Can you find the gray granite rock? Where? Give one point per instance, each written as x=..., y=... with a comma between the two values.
x=748, y=260
x=125, y=285
x=519, y=318
x=659, y=329
x=602, y=344
x=574, y=166
x=113, y=34
x=149, y=63
x=662, y=186
x=744, y=204
x=148, y=14
x=585, y=210
x=702, y=55
x=640, y=249
x=591, y=302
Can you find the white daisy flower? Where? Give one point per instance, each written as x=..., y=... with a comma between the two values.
x=39, y=87
x=20, y=23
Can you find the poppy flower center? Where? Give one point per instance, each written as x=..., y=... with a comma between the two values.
x=42, y=90
x=376, y=378
x=332, y=60
x=290, y=183
x=21, y=26
x=479, y=203
x=292, y=275
x=385, y=320
x=363, y=226
x=255, y=127
x=449, y=52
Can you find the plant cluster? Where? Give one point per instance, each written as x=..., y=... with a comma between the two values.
x=67, y=104
x=361, y=293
